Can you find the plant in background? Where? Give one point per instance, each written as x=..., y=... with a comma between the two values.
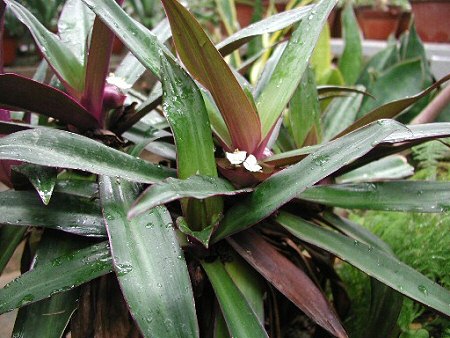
x=237, y=241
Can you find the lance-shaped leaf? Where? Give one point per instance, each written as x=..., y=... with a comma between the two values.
x=186, y=112
x=269, y=25
x=304, y=110
x=413, y=196
x=49, y=317
x=350, y=62
x=386, y=303
x=130, y=69
x=288, y=279
x=20, y=93
x=393, y=108
x=77, y=187
x=341, y=113
x=371, y=260
x=199, y=187
x=67, y=213
x=42, y=178
x=61, y=274
x=58, y=148
x=149, y=264
x=74, y=26
x=139, y=40
x=10, y=237
x=251, y=284
x=391, y=167
x=242, y=322
x=206, y=64
x=288, y=183
x=289, y=70
x=59, y=57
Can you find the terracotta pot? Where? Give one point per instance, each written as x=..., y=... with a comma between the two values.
x=244, y=10
x=432, y=20
x=378, y=24
x=334, y=21
x=403, y=25
x=9, y=49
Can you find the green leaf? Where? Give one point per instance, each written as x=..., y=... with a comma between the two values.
x=392, y=108
x=242, y=322
x=74, y=26
x=386, y=303
x=341, y=113
x=402, y=80
x=391, y=167
x=138, y=39
x=251, y=284
x=77, y=187
x=378, y=63
x=42, y=178
x=49, y=317
x=321, y=59
x=68, y=213
x=290, y=68
x=288, y=183
x=268, y=25
x=199, y=187
x=269, y=68
x=350, y=63
x=61, y=274
x=59, y=57
x=304, y=110
x=372, y=261
x=130, y=68
x=206, y=64
x=58, y=148
x=227, y=13
x=10, y=237
x=413, y=196
x=185, y=110
x=149, y=264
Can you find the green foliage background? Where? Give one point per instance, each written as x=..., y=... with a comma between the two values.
x=419, y=240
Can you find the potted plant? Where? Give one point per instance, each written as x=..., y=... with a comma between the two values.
x=431, y=19
x=222, y=238
x=12, y=30
x=380, y=18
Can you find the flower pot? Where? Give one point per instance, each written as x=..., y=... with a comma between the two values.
x=244, y=10
x=378, y=24
x=9, y=49
x=432, y=20
x=334, y=22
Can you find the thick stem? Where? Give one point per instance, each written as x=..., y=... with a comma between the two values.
x=434, y=108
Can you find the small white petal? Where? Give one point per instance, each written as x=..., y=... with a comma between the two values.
x=251, y=164
x=237, y=157
x=117, y=81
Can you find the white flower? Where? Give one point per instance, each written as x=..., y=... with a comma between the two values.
x=251, y=164
x=118, y=81
x=240, y=157
x=237, y=157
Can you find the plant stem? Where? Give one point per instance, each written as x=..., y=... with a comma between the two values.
x=434, y=108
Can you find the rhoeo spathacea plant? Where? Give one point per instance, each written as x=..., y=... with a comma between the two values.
x=229, y=235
